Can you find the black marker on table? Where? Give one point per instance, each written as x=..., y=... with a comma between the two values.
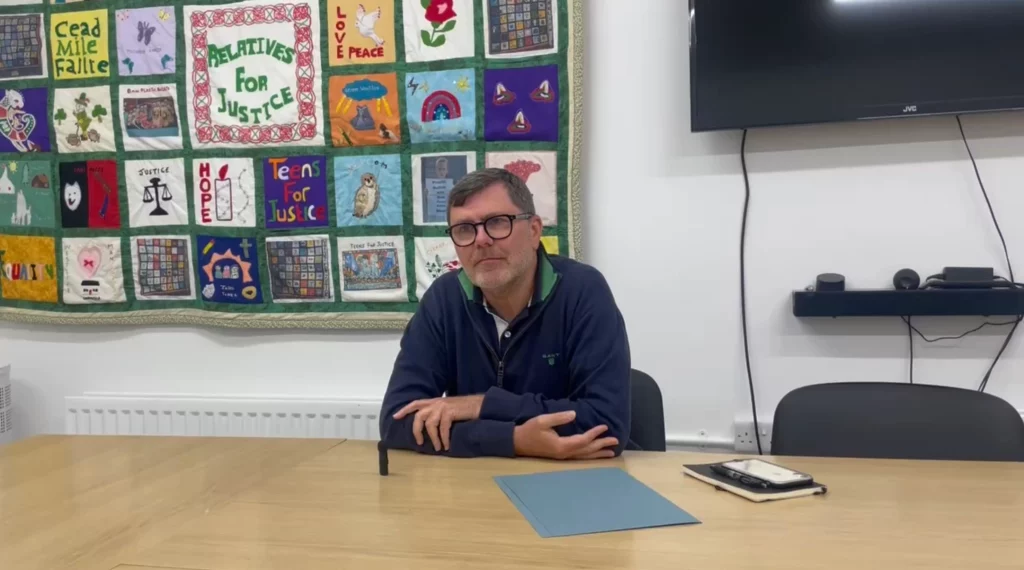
x=382, y=457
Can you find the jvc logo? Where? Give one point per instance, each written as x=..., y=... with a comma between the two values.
x=910, y=109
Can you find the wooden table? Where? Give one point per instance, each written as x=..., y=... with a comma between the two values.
x=327, y=507
x=87, y=502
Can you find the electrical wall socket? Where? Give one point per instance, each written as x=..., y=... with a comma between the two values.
x=745, y=442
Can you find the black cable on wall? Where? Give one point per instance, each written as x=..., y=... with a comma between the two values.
x=1006, y=253
x=743, y=288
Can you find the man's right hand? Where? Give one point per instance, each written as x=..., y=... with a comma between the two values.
x=537, y=438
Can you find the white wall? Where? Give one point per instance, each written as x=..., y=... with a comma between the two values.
x=662, y=222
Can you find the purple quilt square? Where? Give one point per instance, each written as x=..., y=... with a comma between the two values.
x=24, y=124
x=296, y=192
x=145, y=41
x=521, y=104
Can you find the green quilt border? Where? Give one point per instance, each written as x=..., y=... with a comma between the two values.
x=373, y=317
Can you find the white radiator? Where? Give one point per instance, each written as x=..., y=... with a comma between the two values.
x=125, y=414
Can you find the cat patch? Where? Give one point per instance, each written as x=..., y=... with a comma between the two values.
x=88, y=195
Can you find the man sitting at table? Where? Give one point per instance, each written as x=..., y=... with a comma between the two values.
x=516, y=354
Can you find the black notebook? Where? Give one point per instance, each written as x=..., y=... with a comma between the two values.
x=758, y=495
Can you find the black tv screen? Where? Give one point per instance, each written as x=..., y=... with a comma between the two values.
x=756, y=63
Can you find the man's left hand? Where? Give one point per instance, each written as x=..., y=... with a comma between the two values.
x=437, y=415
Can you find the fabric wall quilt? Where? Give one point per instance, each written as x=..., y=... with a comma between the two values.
x=269, y=163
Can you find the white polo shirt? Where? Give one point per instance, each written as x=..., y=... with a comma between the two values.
x=500, y=323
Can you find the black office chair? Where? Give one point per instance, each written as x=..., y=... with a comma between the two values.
x=897, y=421
x=647, y=414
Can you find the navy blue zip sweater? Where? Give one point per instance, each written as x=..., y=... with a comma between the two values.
x=567, y=351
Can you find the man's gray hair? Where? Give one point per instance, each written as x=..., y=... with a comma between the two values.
x=479, y=180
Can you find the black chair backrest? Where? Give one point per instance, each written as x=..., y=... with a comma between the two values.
x=647, y=413
x=897, y=421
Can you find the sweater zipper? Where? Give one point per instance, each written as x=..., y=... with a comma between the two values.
x=501, y=361
x=533, y=319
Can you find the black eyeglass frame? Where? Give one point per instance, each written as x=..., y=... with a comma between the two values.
x=450, y=230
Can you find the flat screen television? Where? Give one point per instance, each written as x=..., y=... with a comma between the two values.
x=757, y=63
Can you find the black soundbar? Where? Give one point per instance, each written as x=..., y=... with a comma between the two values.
x=919, y=302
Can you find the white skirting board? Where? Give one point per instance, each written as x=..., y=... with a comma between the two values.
x=128, y=414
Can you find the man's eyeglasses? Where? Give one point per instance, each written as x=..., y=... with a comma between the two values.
x=497, y=227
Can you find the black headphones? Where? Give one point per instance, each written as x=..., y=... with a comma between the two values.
x=906, y=279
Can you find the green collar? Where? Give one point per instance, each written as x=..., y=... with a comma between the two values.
x=544, y=281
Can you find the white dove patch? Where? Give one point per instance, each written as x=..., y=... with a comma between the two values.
x=361, y=32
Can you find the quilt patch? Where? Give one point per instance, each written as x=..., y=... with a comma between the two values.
x=521, y=104
x=28, y=268
x=372, y=269
x=157, y=194
x=551, y=244
x=361, y=32
x=439, y=29
x=26, y=194
x=520, y=28
x=83, y=120
x=441, y=105
x=224, y=192
x=163, y=267
x=296, y=192
x=92, y=271
x=368, y=190
x=81, y=44
x=23, y=120
x=253, y=74
x=24, y=50
x=434, y=258
x=538, y=169
x=364, y=110
x=150, y=118
x=146, y=40
x=229, y=270
x=300, y=269
x=88, y=195
x=433, y=177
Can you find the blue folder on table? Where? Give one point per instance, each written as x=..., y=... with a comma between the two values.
x=585, y=501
